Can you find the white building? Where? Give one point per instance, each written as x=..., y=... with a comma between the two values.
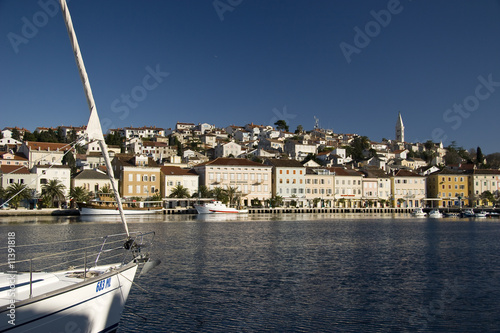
x=173, y=176
x=225, y=149
x=252, y=180
x=288, y=179
x=46, y=173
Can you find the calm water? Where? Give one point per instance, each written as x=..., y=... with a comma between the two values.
x=305, y=273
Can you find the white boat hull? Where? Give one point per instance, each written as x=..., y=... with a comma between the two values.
x=94, y=305
x=102, y=211
x=218, y=209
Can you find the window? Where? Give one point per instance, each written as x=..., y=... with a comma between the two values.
x=153, y=178
x=138, y=189
x=130, y=177
x=130, y=189
x=145, y=178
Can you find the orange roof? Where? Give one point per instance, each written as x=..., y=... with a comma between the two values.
x=48, y=146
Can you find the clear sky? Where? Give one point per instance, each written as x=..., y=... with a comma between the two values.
x=352, y=64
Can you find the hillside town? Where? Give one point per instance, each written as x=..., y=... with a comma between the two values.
x=248, y=166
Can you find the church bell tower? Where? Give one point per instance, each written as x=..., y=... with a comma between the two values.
x=400, y=129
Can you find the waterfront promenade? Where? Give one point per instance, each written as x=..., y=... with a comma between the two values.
x=251, y=210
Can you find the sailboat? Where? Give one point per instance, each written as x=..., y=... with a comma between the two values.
x=90, y=295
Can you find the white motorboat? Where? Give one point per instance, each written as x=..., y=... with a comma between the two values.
x=418, y=212
x=481, y=214
x=90, y=298
x=217, y=207
x=435, y=214
x=468, y=213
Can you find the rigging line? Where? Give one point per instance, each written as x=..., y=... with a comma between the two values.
x=66, y=241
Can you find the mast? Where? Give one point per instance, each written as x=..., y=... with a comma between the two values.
x=94, y=130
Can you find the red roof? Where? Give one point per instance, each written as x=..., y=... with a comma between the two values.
x=14, y=169
x=177, y=171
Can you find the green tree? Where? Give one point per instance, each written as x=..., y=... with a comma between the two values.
x=17, y=193
x=281, y=125
x=487, y=197
x=114, y=139
x=15, y=134
x=358, y=145
x=203, y=192
x=69, y=160
x=54, y=189
x=232, y=194
x=220, y=195
x=179, y=191
x=79, y=194
x=299, y=129
x=479, y=157
x=276, y=201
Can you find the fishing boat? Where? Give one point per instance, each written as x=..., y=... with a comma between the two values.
x=217, y=207
x=106, y=205
x=89, y=293
x=435, y=214
x=418, y=212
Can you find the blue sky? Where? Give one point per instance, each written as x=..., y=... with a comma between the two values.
x=352, y=64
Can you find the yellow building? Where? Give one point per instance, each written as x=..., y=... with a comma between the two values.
x=450, y=188
x=138, y=175
x=408, y=189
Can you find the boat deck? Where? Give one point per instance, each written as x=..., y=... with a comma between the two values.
x=17, y=285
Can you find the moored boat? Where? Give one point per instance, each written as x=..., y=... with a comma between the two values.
x=105, y=205
x=217, y=207
x=418, y=212
x=468, y=213
x=435, y=214
x=91, y=297
x=480, y=214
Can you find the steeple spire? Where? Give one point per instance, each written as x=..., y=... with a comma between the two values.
x=400, y=129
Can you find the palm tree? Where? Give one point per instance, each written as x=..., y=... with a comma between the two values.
x=220, y=195
x=54, y=189
x=104, y=190
x=17, y=192
x=79, y=194
x=232, y=194
x=203, y=192
x=179, y=191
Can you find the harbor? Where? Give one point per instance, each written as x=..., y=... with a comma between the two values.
x=302, y=272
